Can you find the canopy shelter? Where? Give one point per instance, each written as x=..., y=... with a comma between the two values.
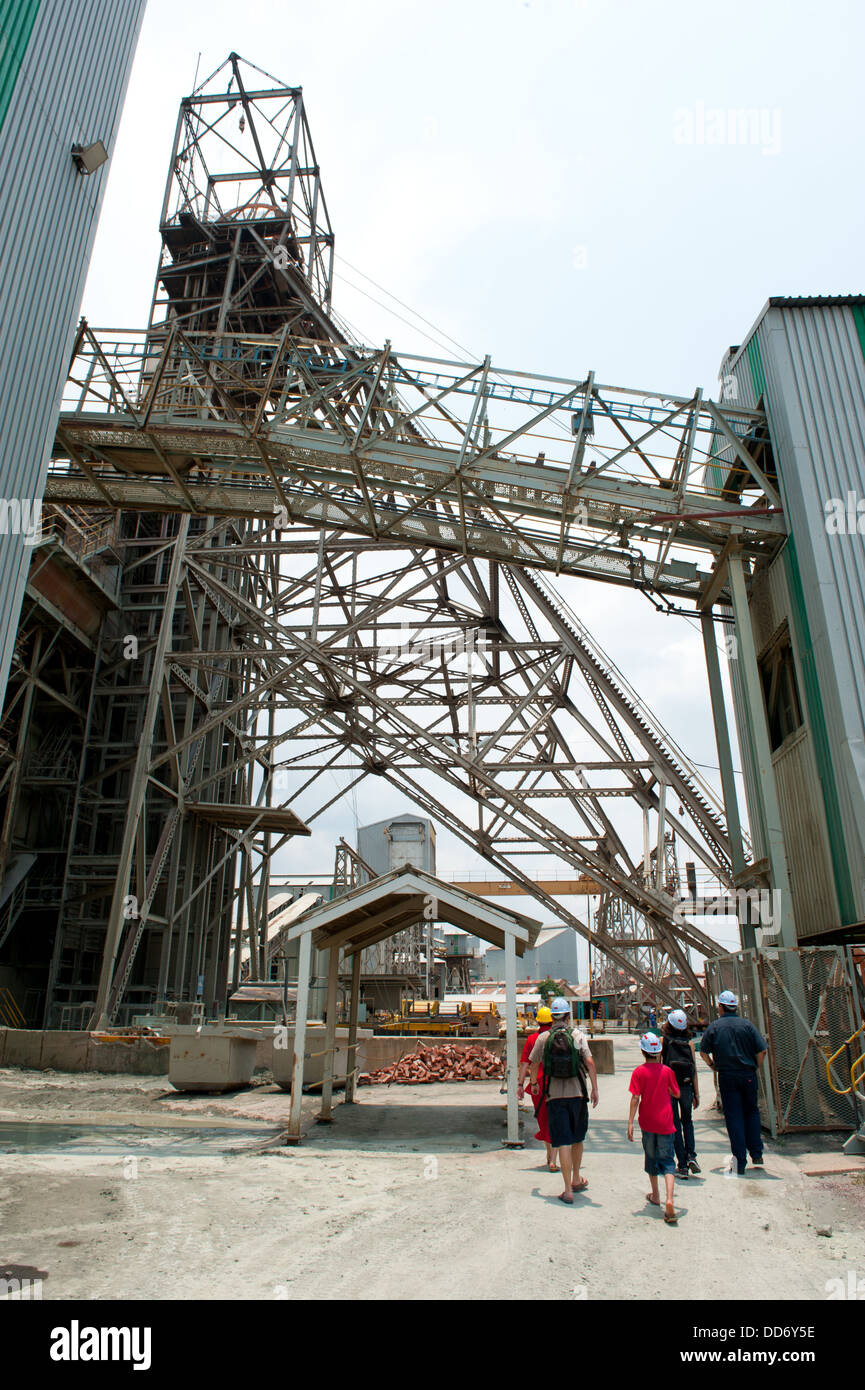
x=280, y=820
x=372, y=913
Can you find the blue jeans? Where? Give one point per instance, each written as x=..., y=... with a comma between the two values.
x=682, y=1114
x=658, y=1154
x=740, y=1099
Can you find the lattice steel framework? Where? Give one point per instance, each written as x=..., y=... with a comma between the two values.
x=338, y=558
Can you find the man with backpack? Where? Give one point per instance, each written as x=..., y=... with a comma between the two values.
x=567, y=1063
x=678, y=1054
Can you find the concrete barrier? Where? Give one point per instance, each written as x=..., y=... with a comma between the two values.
x=602, y=1052
x=134, y=1056
x=313, y=1068
x=23, y=1048
x=211, y=1062
x=61, y=1050
x=75, y=1051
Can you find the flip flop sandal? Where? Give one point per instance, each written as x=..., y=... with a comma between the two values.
x=581, y=1185
x=651, y=1200
x=566, y=1198
x=671, y=1218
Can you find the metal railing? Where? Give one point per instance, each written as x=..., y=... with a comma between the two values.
x=10, y=1014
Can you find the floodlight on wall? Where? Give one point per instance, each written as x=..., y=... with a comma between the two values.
x=89, y=158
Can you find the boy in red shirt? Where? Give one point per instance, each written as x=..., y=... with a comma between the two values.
x=652, y=1085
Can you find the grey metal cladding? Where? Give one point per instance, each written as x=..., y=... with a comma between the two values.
x=813, y=360
x=70, y=89
x=814, y=368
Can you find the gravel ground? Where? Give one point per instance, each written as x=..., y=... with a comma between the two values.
x=407, y=1195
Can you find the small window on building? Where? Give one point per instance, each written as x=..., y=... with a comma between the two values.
x=781, y=689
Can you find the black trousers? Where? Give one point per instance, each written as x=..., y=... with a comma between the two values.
x=740, y=1098
x=683, y=1117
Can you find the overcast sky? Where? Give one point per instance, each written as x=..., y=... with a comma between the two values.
x=559, y=183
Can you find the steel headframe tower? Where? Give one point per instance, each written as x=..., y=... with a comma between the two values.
x=247, y=245
x=247, y=251
x=351, y=560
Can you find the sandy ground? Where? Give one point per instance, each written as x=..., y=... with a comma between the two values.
x=407, y=1195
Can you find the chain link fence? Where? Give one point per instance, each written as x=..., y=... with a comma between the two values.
x=806, y=1003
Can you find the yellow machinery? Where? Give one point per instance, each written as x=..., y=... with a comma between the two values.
x=475, y=1018
x=483, y=1018
x=423, y=1016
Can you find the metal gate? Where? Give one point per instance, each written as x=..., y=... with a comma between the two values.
x=806, y=1003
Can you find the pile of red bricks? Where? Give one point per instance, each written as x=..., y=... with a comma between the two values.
x=441, y=1063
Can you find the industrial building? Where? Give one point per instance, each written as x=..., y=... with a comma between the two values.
x=272, y=554
x=553, y=957
x=803, y=363
x=63, y=78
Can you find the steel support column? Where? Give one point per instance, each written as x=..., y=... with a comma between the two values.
x=767, y=791
x=139, y=780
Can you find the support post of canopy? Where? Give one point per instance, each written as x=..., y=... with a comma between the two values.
x=330, y=1034
x=513, y=1140
x=351, y=1064
x=293, y=1136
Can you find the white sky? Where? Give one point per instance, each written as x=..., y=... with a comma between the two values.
x=528, y=175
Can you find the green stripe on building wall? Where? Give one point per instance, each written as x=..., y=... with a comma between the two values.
x=813, y=699
x=858, y=311
x=17, y=18
x=755, y=362
x=822, y=751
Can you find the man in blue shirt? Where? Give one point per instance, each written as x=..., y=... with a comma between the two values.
x=734, y=1049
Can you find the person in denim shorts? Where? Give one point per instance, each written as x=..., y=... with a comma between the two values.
x=567, y=1101
x=652, y=1087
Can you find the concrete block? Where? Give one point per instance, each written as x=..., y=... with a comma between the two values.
x=3, y=1032
x=264, y=1049
x=211, y=1062
x=65, y=1051
x=263, y=1033
x=134, y=1056
x=602, y=1052
x=313, y=1071
x=23, y=1047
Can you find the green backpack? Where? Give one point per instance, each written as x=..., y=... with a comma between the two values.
x=562, y=1057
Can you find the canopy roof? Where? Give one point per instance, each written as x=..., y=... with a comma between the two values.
x=276, y=819
x=395, y=901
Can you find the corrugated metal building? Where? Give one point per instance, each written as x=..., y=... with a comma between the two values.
x=391, y=844
x=64, y=67
x=804, y=362
x=554, y=957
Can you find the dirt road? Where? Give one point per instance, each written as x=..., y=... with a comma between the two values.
x=408, y=1195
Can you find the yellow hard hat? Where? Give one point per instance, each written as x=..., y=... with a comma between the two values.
x=543, y=1015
